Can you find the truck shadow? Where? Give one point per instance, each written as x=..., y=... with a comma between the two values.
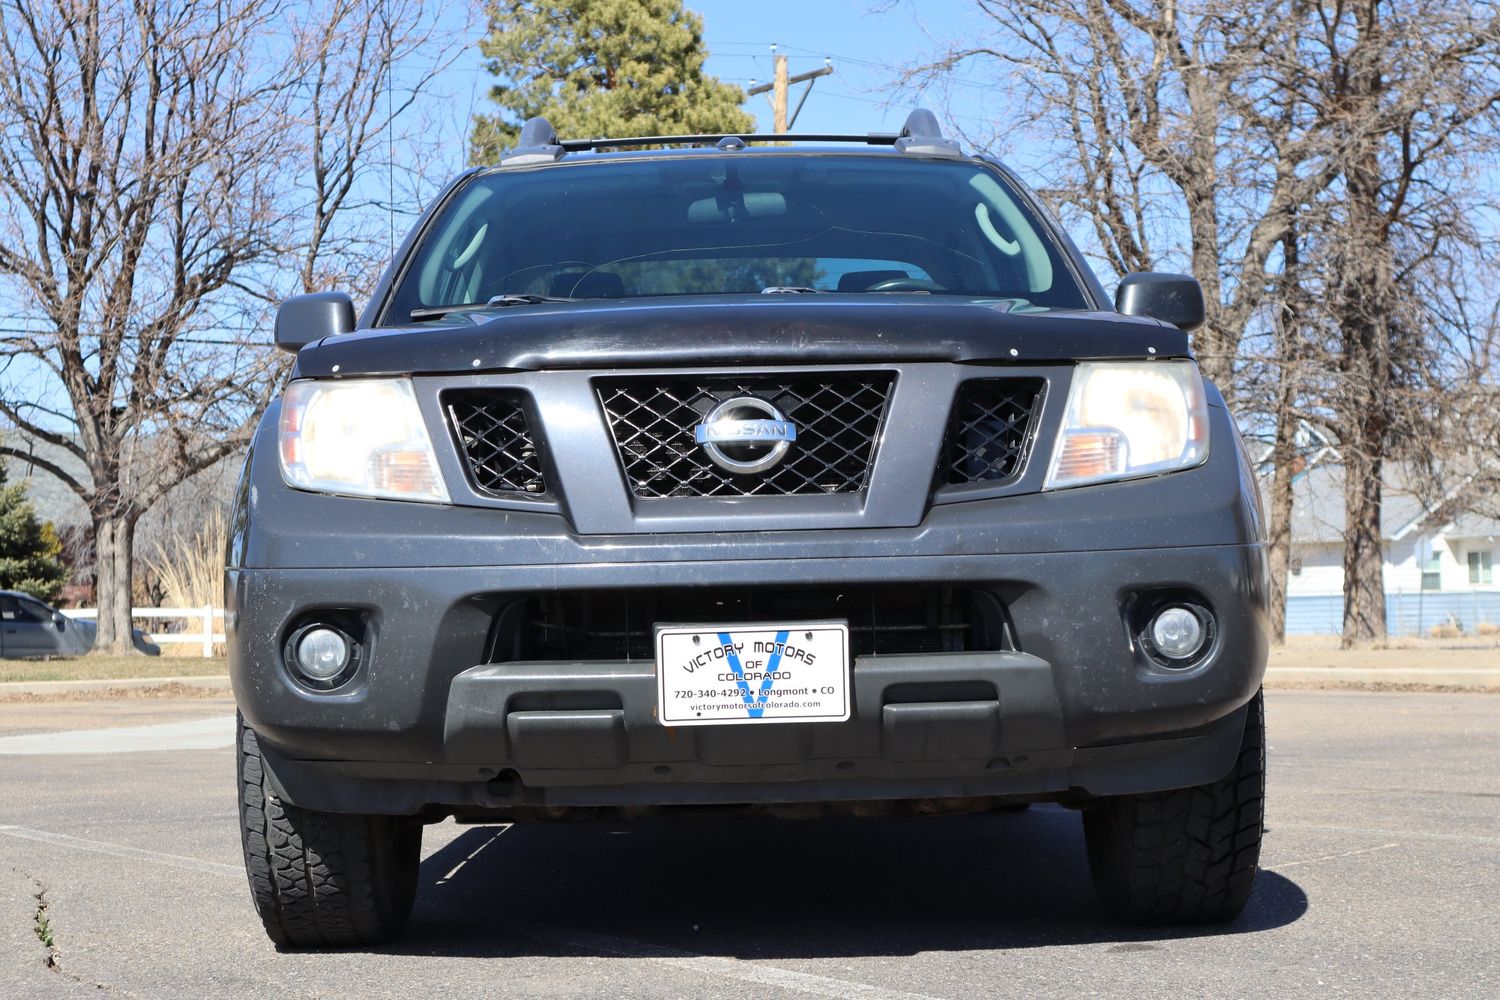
x=762, y=888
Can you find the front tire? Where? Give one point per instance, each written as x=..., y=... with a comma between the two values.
x=1187, y=856
x=323, y=880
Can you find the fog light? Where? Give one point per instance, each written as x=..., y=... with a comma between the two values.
x=322, y=653
x=1177, y=633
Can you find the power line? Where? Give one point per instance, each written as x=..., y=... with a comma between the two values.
x=177, y=340
x=853, y=60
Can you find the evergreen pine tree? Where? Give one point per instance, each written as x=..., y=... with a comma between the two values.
x=29, y=549
x=601, y=68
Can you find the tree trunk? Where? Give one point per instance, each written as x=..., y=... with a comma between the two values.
x=114, y=548
x=1364, y=552
x=1279, y=518
x=1363, y=303
x=1285, y=462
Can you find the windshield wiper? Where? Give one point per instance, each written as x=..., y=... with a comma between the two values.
x=790, y=290
x=496, y=302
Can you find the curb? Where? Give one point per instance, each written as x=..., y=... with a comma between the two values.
x=1479, y=679
x=210, y=682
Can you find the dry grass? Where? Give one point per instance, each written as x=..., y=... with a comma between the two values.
x=191, y=570
x=96, y=668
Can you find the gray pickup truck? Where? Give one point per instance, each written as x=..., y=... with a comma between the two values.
x=741, y=471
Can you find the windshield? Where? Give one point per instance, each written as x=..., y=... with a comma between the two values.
x=737, y=224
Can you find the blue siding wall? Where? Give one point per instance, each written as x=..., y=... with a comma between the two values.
x=1405, y=614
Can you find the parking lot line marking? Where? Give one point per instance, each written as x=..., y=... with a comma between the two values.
x=471, y=857
x=120, y=851
x=727, y=968
x=197, y=734
x=1334, y=857
x=1466, y=838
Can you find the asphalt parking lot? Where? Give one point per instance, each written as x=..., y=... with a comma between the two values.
x=1381, y=878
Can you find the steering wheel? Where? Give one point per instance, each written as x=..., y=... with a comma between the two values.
x=906, y=285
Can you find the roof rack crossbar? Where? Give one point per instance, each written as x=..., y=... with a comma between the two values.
x=709, y=138
x=538, y=141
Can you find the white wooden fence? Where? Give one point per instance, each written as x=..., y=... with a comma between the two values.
x=203, y=618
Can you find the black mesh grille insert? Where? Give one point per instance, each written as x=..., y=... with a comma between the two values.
x=989, y=430
x=918, y=617
x=838, y=417
x=495, y=439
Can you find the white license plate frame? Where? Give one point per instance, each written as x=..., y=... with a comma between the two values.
x=777, y=673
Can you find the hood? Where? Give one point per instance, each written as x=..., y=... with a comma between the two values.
x=735, y=330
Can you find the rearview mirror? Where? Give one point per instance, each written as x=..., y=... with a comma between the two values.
x=738, y=208
x=304, y=319
x=1171, y=298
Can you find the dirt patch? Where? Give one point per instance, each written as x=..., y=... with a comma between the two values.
x=170, y=690
x=1399, y=654
x=1275, y=684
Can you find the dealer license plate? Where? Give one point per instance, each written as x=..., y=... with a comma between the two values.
x=710, y=675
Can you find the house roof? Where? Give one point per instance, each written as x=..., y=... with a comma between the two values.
x=1318, y=510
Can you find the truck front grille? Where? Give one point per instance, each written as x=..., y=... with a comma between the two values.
x=838, y=417
x=989, y=430
x=494, y=436
x=620, y=624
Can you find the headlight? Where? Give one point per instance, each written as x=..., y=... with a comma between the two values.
x=363, y=437
x=1128, y=420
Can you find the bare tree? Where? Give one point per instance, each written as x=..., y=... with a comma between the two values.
x=1408, y=96
x=1152, y=101
x=1178, y=111
x=1320, y=157
x=153, y=174
x=365, y=66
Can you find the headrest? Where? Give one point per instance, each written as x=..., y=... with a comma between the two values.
x=859, y=281
x=588, y=285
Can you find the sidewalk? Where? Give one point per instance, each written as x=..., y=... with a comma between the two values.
x=1385, y=678
x=1407, y=663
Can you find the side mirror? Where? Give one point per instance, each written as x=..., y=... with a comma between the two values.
x=303, y=319
x=1171, y=298
x=60, y=620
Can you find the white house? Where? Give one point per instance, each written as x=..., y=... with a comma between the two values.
x=1438, y=567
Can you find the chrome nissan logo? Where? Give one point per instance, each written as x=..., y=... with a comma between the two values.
x=745, y=435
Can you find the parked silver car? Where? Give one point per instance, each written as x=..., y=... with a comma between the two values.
x=29, y=628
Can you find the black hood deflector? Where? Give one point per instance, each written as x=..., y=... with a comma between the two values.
x=735, y=331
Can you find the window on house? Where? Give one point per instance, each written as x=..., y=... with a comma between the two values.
x=1432, y=572
x=1481, y=567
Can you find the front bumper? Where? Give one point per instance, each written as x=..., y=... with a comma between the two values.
x=1079, y=708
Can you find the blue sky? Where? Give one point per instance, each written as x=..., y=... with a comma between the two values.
x=868, y=48
x=868, y=51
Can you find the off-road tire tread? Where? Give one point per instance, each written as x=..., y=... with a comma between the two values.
x=323, y=880
x=1187, y=856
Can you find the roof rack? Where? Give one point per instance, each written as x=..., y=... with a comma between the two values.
x=920, y=136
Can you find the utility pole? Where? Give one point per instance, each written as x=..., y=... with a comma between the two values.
x=779, y=87
x=778, y=97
